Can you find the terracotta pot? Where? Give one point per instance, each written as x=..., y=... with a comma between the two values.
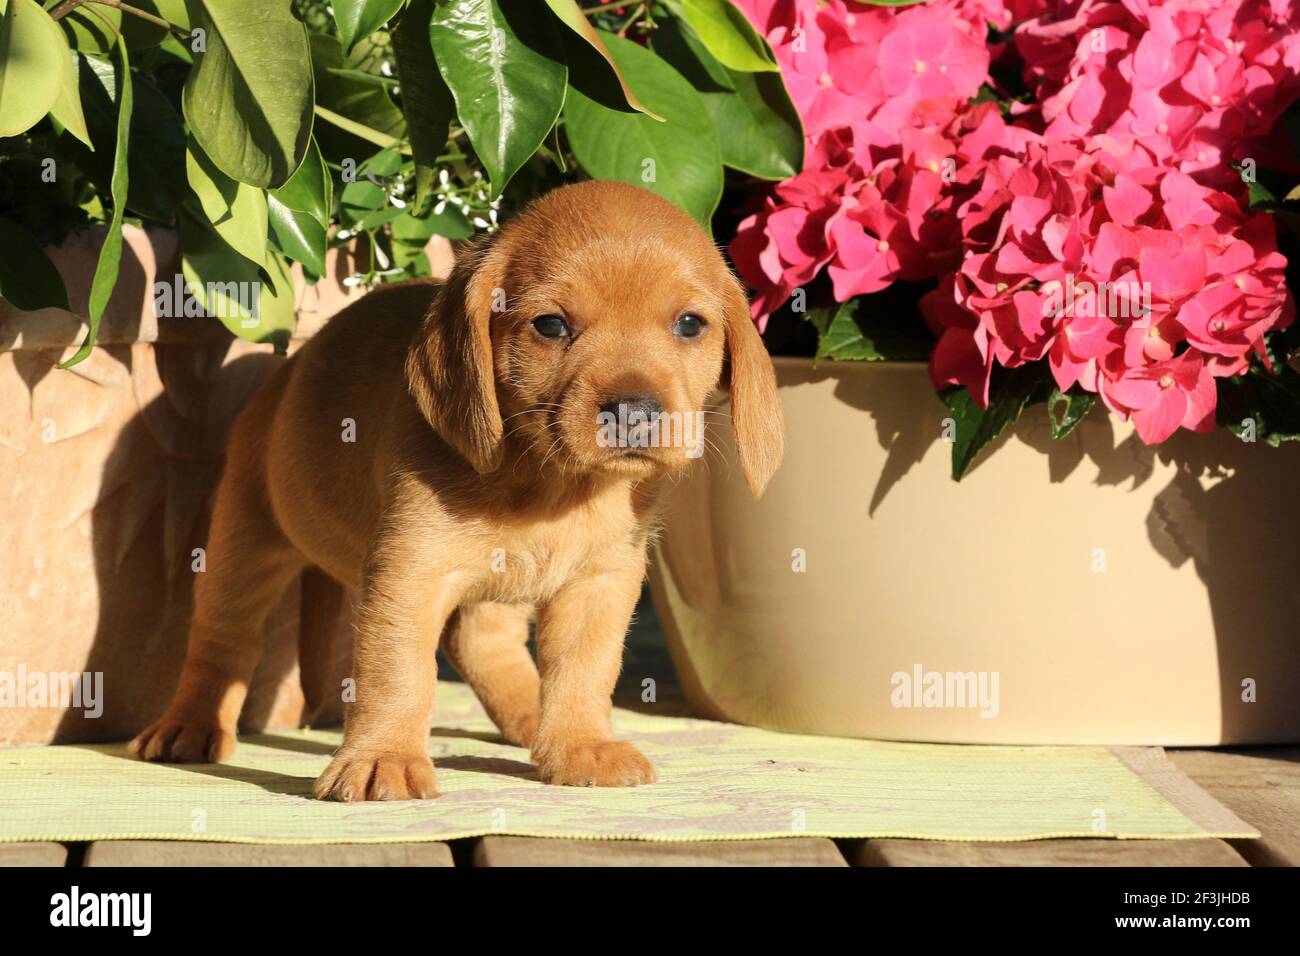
x=107, y=473
x=1097, y=590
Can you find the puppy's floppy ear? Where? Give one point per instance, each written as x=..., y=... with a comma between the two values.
x=755, y=407
x=449, y=369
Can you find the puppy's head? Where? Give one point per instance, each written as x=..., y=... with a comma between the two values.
x=589, y=333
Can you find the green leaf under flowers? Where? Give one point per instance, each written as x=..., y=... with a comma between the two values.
x=364, y=203
x=32, y=51
x=759, y=129
x=501, y=60
x=298, y=235
x=1260, y=405
x=357, y=19
x=977, y=428
x=236, y=210
x=680, y=158
x=28, y=279
x=310, y=190
x=1066, y=409
x=248, y=99
x=451, y=223
x=858, y=331
x=426, y=101
x=571, y=15
x=1260, y=196
x=110, y=253
x=254, y=303
x=727, y=34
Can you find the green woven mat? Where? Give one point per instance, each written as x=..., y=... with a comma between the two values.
x=716, y=782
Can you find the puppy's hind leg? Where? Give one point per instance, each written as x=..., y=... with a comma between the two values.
x=248, y=566
x=488, y=645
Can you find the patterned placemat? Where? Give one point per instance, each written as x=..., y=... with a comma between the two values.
x=716, y=782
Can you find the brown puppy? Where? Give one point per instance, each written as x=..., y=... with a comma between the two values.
x=443, y=450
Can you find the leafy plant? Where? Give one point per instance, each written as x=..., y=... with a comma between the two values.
x=266, y=133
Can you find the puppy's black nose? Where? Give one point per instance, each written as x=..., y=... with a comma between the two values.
x=633, y=406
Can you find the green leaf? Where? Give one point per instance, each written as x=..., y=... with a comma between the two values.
x=298, y=235
x=727, y=34
x=1260, y=196
x=310, y=190
x=451, y=223
x=359, y=130
x=32, y=51
x=363, y=109
x=66, y=108
x=1271, y=399
x=977, y=428
x=854, y=335
x=236, y=210
x=28, y=279
x=501, y=61
x=680, y=158
x=156, y=163
x=357, y=19
x=363, y=203
x=759, y=129
x=232, y=288
x=249, y=98
x=1077, y=405
x=110, y=253
x=571, y=15
x=426, y=101
x=93, y=28
x=141, y=34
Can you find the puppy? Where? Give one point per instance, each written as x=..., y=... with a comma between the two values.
x=466, y=456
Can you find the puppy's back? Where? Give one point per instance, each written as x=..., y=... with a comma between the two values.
x=344, y=390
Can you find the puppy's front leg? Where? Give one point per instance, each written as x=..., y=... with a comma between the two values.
x=385, y=752
x=579, y=649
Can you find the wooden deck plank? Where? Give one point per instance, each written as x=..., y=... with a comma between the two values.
x=1085, y=852
x=1262, y=786
x=189, y=853
x=528, y=851
x=33, y=854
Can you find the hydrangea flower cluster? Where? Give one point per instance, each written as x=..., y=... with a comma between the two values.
x=1102, y=229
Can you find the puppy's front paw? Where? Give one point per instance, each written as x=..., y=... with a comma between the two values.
x=178, y=740
x=597, y=763
x=367, y=775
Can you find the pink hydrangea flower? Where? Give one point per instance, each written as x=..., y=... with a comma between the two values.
x=1102, y=230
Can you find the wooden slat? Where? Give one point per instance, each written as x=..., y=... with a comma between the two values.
x=1262, y=786
x=33, y=854
x=527, y=851
x=1097, y=852
x=188, y=853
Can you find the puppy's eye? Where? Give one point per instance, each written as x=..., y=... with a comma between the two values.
x=551, y=326
x=688, y=326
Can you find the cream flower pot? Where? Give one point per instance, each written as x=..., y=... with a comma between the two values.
x=1092, y=590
